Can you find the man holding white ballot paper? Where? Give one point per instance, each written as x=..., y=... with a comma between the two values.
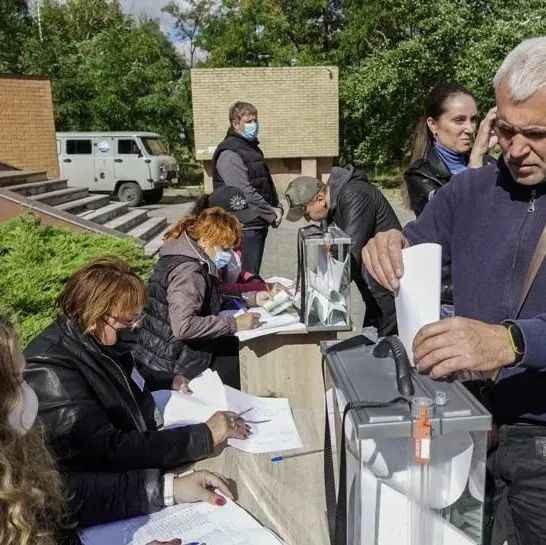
x=491, y=224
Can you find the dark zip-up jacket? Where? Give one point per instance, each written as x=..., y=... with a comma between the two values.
x=489, y=226
x=359, y=209
x=423, y=178
x=101, y=426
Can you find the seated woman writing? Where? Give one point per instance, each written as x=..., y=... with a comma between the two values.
x=99, y=416
x=183, y=332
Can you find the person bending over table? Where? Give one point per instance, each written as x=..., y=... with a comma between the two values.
x=99, y=416
x=183, y=332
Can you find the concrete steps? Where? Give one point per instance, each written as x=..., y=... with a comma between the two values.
x=91, y=202
x=61, y=196
x=37, y=188
x=153, y=245
x=13, y=177
x=105, y=213
x=149, y=228
x=96, y=208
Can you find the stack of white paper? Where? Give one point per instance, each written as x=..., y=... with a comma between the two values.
x=271, y=420
x=200, y=522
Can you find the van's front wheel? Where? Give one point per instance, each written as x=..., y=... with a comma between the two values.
x=153, y=196
x=130, y=193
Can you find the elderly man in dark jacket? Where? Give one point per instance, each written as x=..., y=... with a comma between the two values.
x=360, y=210
x=489, y=222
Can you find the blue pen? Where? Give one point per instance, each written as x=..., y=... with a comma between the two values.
x=276, y=459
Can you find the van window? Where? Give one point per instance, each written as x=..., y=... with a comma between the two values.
x=128, y=147
x=154, y=146
x=78, y=147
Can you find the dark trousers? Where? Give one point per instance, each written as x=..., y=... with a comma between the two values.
x=516, y=511
x=225, y=357
x=380, y=310
x=253, y=249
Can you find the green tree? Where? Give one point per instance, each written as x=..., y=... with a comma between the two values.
x=109, y=71
x=15, y=22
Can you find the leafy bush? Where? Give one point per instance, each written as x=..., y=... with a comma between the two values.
x=36, y=260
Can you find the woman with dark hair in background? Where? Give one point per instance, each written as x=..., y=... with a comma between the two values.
x=446, y=143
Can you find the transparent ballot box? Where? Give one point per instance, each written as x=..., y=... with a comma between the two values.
x=414, y=473
x=324, y=278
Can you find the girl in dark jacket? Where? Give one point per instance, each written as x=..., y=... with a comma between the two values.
x=100, y=418
x=446, y=143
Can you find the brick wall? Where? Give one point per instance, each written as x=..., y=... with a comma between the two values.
x=27, y=126
x=298, y=108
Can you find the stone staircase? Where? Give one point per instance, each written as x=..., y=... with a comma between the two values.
x=99, y=209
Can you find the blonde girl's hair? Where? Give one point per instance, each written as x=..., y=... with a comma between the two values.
x=215, y=225
x=31, y=499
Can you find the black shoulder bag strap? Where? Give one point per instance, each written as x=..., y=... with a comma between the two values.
x=532, y=271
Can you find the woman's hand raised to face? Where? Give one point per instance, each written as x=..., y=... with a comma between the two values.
x=201, y=486
x=226, y=425
x=248, y=320
x=485, y=139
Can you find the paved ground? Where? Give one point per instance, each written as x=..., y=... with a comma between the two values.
x=280, y=257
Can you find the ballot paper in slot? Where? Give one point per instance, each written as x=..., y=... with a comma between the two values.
x=418, y=298
x=271, y=419
x=196, y=522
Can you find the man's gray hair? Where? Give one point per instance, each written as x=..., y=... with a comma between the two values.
x=524, y=69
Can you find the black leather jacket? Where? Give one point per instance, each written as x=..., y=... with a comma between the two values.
x=423, y=177
x=102, y=428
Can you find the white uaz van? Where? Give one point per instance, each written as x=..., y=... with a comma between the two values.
x=134, y=166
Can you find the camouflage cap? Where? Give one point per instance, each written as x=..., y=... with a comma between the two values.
x=299, y=193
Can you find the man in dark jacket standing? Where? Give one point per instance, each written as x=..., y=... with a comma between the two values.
x=238, y=161
x=489, y=222
x=360, y=210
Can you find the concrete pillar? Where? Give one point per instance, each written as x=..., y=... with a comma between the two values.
x=309, y=167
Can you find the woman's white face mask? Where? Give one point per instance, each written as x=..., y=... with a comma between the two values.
x=23, y=415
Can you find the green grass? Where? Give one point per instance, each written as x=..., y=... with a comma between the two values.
x=36, y=260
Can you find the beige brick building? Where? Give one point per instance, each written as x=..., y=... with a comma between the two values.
x=27, y=126
x=298, y=109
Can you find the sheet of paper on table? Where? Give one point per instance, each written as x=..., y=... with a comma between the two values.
x=281, y=323
x=210, y=395
x=201, y=522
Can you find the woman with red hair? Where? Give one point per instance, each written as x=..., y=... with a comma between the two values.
x=183, y=333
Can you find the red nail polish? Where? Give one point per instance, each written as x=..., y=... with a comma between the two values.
x=219, y=500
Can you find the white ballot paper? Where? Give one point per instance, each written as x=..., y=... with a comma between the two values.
x=418, y=299
x=271, y=420
x=201, y=522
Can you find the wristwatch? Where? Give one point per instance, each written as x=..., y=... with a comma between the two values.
x=516, y=340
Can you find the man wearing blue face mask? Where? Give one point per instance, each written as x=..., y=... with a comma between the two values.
x=239, y=162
